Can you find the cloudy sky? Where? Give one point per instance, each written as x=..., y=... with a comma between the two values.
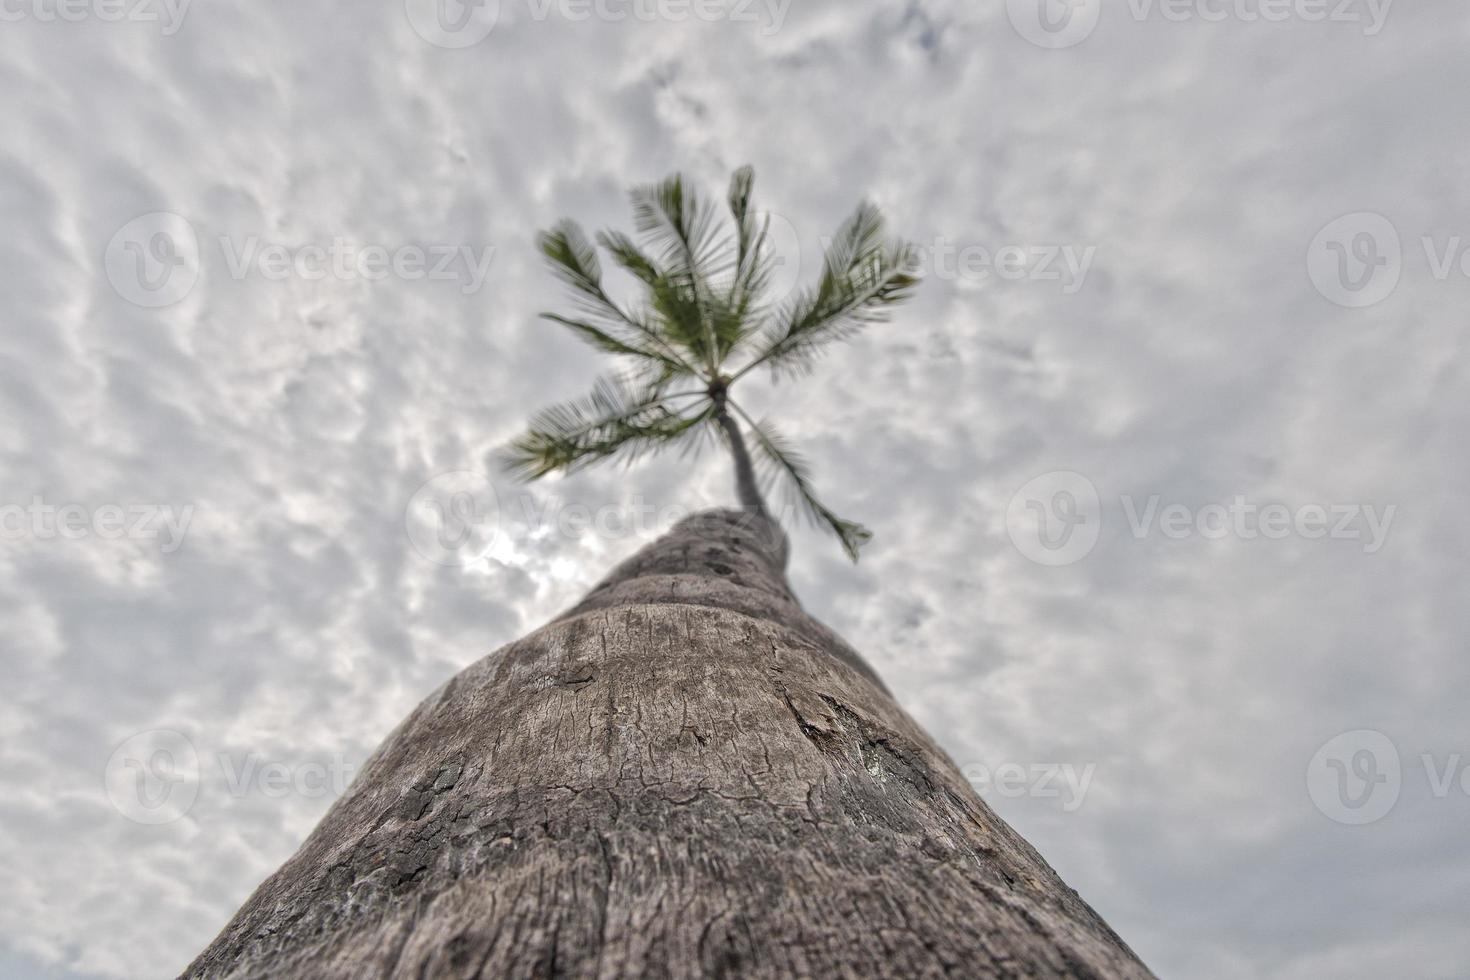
x=1165, y=462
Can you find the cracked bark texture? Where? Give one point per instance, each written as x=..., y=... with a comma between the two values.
x=683, y=776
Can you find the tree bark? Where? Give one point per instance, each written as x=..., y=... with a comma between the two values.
x=747, y=490
x=683, y=776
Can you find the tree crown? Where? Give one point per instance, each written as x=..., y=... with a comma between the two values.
x=702, y=323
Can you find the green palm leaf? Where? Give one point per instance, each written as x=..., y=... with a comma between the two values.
x=604, y=341
x=752, y=261
x=604, y=324
x=863, y=276
x=680, y=224
x=782, y=462
x=629, y=256
x=616, y=419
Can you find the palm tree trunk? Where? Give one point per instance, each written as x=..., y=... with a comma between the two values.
x=745, y=485
x=683, y=776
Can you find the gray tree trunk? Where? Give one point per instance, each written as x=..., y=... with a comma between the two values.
x=683, y=776
x=746, y=489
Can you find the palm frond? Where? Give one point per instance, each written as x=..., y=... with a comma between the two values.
x=780, y=460
x=693, y=255
x=752, y=258
x=605, y=341
x=616, y=419
x=676, y=306
x=603, y=323
x=575, y=263
x=741, y=183
x=863, y=276
x=679, y=223
x=629, y=255
x=729, y=323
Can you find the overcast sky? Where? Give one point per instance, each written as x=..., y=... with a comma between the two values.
x=1165, y=463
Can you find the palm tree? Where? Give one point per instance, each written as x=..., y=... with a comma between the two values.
x=703, y=324
x=685, y=775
